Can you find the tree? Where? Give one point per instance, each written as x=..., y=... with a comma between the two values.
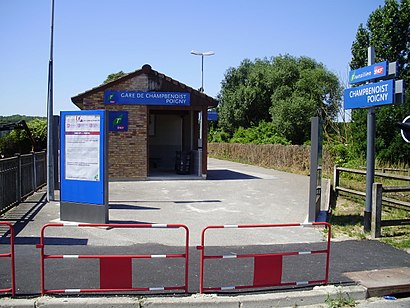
x=114, y=76
x=243, y=100
x=388, y=30
x=284, y=90
x=17, y=141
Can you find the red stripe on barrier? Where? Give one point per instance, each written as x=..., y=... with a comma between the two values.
x=267, y=270
x=115, y=273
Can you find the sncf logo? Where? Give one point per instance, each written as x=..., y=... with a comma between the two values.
x=378, y=70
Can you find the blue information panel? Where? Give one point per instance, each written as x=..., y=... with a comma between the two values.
x=374, y=94
x=83, y=157
x=147, y=98
x=118, y=121
x=367, y=73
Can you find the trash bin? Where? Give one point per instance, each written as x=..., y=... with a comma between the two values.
x=183, y=162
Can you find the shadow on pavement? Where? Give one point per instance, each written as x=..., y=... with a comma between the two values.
x=225, y=174
x=122, y=206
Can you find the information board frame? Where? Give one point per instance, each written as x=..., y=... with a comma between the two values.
x=84, y=166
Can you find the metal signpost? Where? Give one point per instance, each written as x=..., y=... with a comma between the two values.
x=369, y=96
x=315, y=184
x=84, y=166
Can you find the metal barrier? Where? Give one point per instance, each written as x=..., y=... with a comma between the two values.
x=20, y=176
x=10, y=255
x=115, y=270
x=267, y=266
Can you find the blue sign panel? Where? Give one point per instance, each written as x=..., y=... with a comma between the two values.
x=118, y=121
x=147, y=98
x=212, y=116
x=363, y=74
x=374, y=94
x=83, y=149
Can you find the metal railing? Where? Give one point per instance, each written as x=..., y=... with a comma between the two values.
x=338, y=188
x=377, y=206
x=268, y=267
x=21, y=176
x=115, y=270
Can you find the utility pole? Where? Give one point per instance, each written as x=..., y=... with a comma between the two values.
x=50, y=158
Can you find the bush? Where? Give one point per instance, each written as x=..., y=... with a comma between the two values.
x=264, y=133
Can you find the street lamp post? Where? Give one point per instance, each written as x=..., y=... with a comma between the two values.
x=202, y=54
x=50, y=145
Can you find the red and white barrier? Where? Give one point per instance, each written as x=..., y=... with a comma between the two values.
x=10, y=254
x=268, y=267
x=115, y=270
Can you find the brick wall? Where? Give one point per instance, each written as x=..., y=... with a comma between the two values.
x=127, y=151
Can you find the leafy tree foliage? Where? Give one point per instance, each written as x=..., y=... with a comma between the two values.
x=388, y=30
x=114, y=76
x=243, y=100
x=17, y=141
x=18, y=117
x=284, y=90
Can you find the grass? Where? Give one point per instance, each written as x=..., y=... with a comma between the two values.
x=347, y=221
x=347, y=217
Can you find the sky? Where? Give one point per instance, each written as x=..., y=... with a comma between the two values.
x=94, y=38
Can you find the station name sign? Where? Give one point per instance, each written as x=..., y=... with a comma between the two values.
x=147, y=98
x=360, y=75
x=374, y=94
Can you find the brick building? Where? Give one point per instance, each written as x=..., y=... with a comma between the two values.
x=154, y=119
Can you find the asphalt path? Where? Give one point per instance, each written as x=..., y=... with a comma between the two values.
x=233, y=194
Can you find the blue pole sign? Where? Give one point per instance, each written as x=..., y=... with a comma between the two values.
x=212, y=116
x=360, y=75
x=147, y=98
x=370, y=95
x=118, y=121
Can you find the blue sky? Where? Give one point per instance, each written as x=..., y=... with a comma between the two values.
x=94, y=38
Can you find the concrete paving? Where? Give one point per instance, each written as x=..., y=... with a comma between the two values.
x=233, y=194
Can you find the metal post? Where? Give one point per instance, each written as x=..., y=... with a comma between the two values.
x=19, y=178
x=50, y=159
x=315, y=172
x=336, y=178
x=371, y=135
x=202, y=54
x=377, y=210
x=202, y=74
x=34, y=161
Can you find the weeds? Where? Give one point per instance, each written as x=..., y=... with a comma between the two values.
x=341, y=300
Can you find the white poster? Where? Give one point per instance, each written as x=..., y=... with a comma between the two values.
x=82, y=147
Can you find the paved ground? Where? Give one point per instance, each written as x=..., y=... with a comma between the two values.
x=233, y=194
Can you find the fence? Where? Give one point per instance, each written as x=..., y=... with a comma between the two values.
x=377, y=198
x=377, y=222
x=268, y=267
x=9, y=254
x=20, y=176
x=115, y=270
x=336, y=184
